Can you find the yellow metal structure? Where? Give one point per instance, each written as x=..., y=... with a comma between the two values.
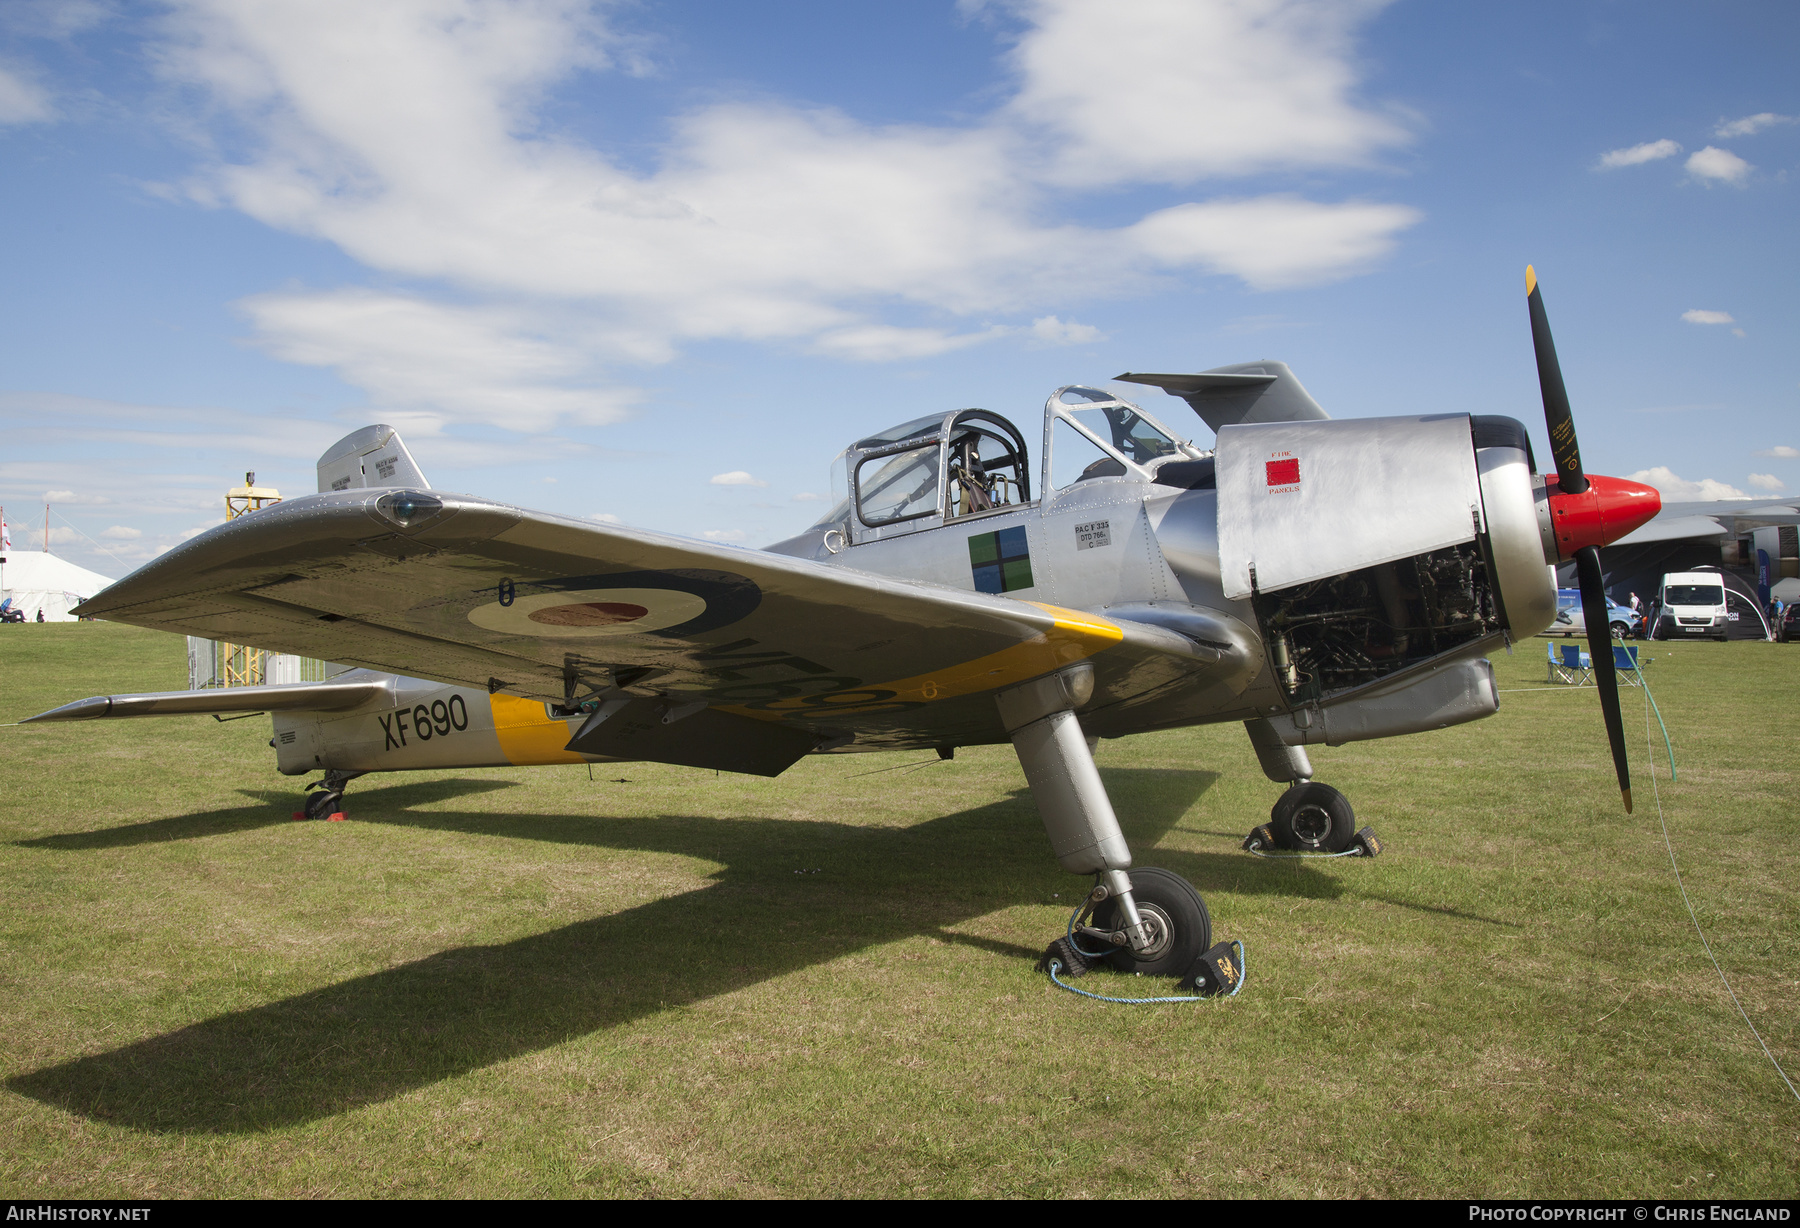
x=240, y=665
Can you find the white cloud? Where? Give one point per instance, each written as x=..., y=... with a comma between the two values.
x=1677, y=489
x=606, y=518
x=1713, y=163
x=737, y=477
x=1752, y=124
x=887, y=343
x=1766, y=481
x=725, y=535
x=22, y=101
x=1697, y=316
x=445, y=363
x=1781, y=451
x=1052, y=331
x=1637, y=155
x=1169, y=90
x=408, y=134
x=1273, y=241
x=123, y=533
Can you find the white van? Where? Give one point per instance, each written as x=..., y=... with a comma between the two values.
x=1691, y=604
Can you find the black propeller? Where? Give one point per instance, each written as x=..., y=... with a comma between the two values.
x=1572, y=481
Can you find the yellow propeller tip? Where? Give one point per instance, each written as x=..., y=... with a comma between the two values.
x=1530, y=279
x=1627, y=795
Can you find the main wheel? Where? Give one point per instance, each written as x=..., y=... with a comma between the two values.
x=322, y=802
x=1175, y=913
x=1313, y=818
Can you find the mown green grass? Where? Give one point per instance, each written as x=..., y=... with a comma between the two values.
x=523, y=983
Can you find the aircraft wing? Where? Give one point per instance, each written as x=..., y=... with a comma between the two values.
x=547, y=607
x=288, y=697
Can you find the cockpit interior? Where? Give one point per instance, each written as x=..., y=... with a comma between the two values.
x=949, y=466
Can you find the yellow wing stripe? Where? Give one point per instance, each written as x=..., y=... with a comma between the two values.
x=1075, y=636
x=528, y=736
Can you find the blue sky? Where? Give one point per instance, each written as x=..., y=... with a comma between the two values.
x=593, y=257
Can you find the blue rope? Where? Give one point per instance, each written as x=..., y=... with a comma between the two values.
x=1243, y=973
x=1072, y=945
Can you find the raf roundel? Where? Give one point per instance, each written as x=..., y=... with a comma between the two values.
x=590, y=613
x=664, y=603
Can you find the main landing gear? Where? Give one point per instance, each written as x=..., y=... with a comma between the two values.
x=1144, y=920
x=325, y=797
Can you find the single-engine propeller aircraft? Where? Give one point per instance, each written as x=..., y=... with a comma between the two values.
x=1321, y=581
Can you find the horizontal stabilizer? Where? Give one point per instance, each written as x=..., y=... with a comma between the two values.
x=371, y=457
x=295, y=697
x=1239, y=395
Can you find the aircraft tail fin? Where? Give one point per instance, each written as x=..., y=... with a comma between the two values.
x=1244, y=392
x=373, y=456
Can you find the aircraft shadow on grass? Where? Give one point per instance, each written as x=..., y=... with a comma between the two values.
x=275, y=809
x=373, y=1037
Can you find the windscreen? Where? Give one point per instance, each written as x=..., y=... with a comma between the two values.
x=899, y=487
x=1694, y=594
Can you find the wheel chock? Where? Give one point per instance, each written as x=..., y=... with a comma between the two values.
x=1062, y=952
x=1259, y=838
x=1367, y=842
x=1219, y=970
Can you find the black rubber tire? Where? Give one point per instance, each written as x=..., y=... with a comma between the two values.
x=1177, y=907
x=322, y=802
x=1620, y=631
x=1313, y=818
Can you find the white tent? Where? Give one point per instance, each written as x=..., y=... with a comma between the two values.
x=37, y=581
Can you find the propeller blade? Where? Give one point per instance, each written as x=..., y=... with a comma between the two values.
x=1593, y=609
x=1557, y=418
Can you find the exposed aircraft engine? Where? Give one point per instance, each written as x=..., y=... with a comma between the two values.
x=1349, y=630
x=1371, y=547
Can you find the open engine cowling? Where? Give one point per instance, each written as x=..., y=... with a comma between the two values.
x=1382, y=557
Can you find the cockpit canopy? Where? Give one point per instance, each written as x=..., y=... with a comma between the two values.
x=947, y=466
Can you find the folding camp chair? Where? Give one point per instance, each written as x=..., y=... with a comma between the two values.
x=1569, y=664
x=1625, y=661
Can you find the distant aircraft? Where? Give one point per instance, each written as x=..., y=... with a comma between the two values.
x=1321, y=581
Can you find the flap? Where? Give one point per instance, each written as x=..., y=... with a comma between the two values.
x=651, y=731
x=1301, y=501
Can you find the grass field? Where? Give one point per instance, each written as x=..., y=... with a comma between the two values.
x=525, y=983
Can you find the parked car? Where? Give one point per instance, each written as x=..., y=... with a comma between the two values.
x=1570, y=620
x=1788, y=632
